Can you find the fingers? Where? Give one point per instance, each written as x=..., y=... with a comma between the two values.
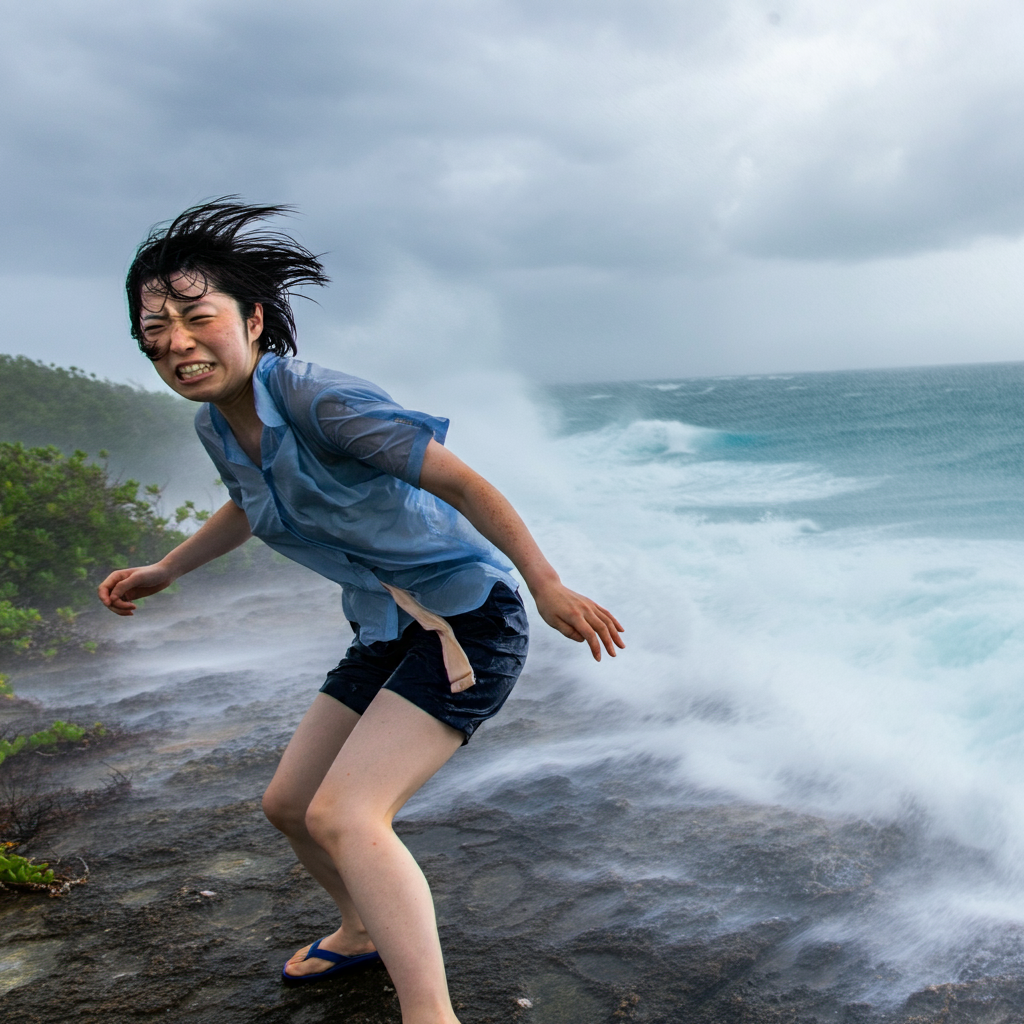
x=113, y=589
x=595, y=626
x=606, y=631
x=585, y=635
x=123, y=587
x=119, y=605
x=609, y=618
x=105, y=590
x=581, y=619
x=608, y=628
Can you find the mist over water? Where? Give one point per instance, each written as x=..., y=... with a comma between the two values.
x=821, y=578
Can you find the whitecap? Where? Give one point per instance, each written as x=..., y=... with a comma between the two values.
x=645, y=439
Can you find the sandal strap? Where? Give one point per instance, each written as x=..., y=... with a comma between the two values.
x=325, y=954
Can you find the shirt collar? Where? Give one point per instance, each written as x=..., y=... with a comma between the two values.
x=265, y=408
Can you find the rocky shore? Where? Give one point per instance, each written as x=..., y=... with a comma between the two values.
x=193, y=901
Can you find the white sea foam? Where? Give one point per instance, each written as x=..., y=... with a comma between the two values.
x=884, y=654
x=851, y=672
x=642, y=453
x=643, y=439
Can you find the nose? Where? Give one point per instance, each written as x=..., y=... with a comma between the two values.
x=181, y=339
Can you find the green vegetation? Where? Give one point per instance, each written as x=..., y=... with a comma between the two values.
x=68, y=408
x=21, y=870
x=148, y=435
x=65, y=521
x=59, y=734
x=61, y=518
x=17, y=626
x=63, y=526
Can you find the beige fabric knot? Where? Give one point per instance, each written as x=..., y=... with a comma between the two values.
x=460, y=672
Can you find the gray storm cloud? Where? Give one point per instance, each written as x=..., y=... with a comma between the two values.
x=591, y=174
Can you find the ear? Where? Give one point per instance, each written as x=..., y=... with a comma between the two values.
x=254, y=325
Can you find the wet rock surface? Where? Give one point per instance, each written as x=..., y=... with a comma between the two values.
x=140, y=940
x=562, y=897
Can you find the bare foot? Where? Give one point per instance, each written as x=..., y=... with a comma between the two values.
x=339, y=942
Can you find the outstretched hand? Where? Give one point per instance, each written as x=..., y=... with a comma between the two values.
x=123, y=587
x=580, y=619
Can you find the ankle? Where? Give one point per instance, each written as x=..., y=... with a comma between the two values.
x=348, y=940
x=354, y=931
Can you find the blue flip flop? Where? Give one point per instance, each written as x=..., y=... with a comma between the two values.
x=340, y=962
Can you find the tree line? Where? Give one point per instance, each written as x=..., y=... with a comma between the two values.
x=67, y=519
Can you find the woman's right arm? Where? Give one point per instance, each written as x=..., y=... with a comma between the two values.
x=224, y=531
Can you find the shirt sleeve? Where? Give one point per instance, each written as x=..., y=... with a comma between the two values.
x=378, y=432
x=227, y=478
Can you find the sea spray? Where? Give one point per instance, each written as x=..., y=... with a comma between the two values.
x=814, y=734
x=836, y=633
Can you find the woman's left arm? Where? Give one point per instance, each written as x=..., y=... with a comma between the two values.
x=572, y=614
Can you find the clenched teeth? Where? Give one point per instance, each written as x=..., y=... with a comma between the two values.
x=193, y=370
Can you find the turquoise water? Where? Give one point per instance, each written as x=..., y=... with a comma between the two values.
x=934, y=451
x=822, y=582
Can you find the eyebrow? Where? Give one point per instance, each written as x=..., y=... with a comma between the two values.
x=161, y=315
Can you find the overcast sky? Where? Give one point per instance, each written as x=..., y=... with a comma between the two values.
x=581, y=189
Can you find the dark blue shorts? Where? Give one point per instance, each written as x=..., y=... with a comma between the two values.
x=494, y=636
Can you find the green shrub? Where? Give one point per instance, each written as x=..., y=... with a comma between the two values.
x=62, y=521
x=17, y=626
x=21, y=870
x=58, y=734
x=8, y=748
x=63, y=526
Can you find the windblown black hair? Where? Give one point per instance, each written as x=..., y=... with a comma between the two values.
x=210, y=243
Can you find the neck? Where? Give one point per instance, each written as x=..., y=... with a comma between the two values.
x=240, y=412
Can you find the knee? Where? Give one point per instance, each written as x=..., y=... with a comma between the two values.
x=324, y=820
x=335, y=822
x=284, y=812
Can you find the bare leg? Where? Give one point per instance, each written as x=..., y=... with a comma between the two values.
x=392, y=751
x=309, y=756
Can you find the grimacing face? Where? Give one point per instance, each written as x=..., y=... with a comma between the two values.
x=203, y=349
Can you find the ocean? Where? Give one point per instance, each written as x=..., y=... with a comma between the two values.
x=811, y=752
x=822, y=580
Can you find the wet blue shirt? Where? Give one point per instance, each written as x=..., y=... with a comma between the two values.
x=339, y=492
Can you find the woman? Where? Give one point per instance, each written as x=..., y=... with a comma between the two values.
x=328, y=470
